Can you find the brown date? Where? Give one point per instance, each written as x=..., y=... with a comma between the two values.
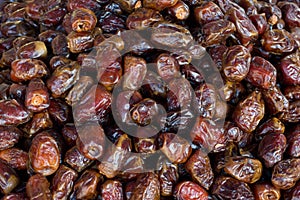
x=7, y=58
x=292, y=114
x=261, y=73
x=168, y=176
x=275, y=101
x=59, y=111
x=266, y=191
x=167, y=67
x=38, y=187
x=278, y=41
x=293, y=141
x=27, y=69
x=20, y=41
x=147, y=187
x=159, y=4
x=260, y=22
x=59, y=46
x=290, y=13
x=35, y=49
x=83, y=20
x=63, y=78
x=176, y=148
x=230, y=188
x=15, y=196
x=143, y=143
x=198, y=166
x=88, y=4
x=44, y=154
x=286, y=173
x=290, y=69
x=128, y=5
x=58, y=61
x=244, y=169
x=62, y=182
x=292, y=92
x=37, y=96
x=188, y=190
x=8, y=178
x=16, y=158
x=236, y=63
x=272, y=125
x=10, y=136
x=208, y=12
x=91, y=140
x=76, y=160
x=80, y=42
x=206, y=96
x=69, y=134
x=293, y=193
x=271, y=148
x=180, y=10
x=112, y=189
x=16, y=29
x=13, y=113
x=249, y=112
x=53, y=16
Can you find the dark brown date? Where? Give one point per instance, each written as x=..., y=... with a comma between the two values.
x=44, y=154
x=278, y=41
x=127, y=5
x=27, y=69
x=63, y=78
x=260, y=22
x=62, y=182
x=236, y=63
x=83, y=20
x=86, y=186
x=167, y=67
x=271, y=148
x=230, y=188
x=36, y=49
x=216, y=32
x=37, y=96
x=290, y=13
x=272, y=125
x=188, y=190
x=249, y=112
x=112, y=189
x=292, y=114
x=88, y=4
x=9, y=136
x=208, y=12
x=38, y=187
x=53, y=16
x=80, y=42
x=261, y=73
x=159, y=4
x=59, y=46
x=290, y=69
x=59, y=111
x=206, y=97
x=69, y=134
x=286, y=173
x=16, y=29
x=176, y=148
x=58, y=61
x=180, y=10
x=8, y=178
x=168, y=177
x=198, y=166
x=266, y=191
x=275, y=101
x=293, y=141
x=20, y=41
x=14, y=157
x=143, y=18
x=292, y=92
x=91, y=140
x=293, y=193
x=76, y=160
x=13, y=113
x=244, y=169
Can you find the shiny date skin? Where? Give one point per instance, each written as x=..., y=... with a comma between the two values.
x=265, y=191
x=188, y=190
x=143, y=18
x=38, y=187
x=168, y=176
x=37, y=96
x=112, y=189
x=293, y=142
x=9, y=178
x=15, y=157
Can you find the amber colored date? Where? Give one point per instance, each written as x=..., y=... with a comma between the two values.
x=168, y=176
x=15, y=157
x=37, y=96
x=44, y=154
x=83, y=20
x=35, y=49
x=266, y=191
x=38, y=187
x=8, y=178
x=207, y=12
x=76, y=159
x=188, y=190
x=180, y=10
x=159, y=4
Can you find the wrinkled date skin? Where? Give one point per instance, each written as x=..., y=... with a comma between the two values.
x=207, y=12
x=271, y=148
x=15, y=157
x=44, y=154
x=286, y=173
x=143, y=18
x=266, y=191
x=8, y=178
x=76, y=159
x=293, y=193
x=249, y=112
x=244, y=169
x=9, y=135
x=37, y=96
x=293, y=141
x=62, y=182
x=111, y=189
x=188, y=190
x=168, y=176
x=292, y=114
x=290, y=69
x=38, y=187
x=262, y=73
x=13, y=113
x=159, y=4
x=83, y=20
x=236, y=63
x=198, y=166
x=272, y=125
x=206, y=96
x=275, y=101
x=36, y=49
x=167, y=67
x=230, y=188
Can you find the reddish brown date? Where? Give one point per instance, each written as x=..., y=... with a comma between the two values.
x=293, y=193
x=275, y=101
x=59, y=111
x=206, y=97
x=290, y=69
x=13, y=113
x=266, y=191
x=293, y=141
x=59, y=45
x=249, y=112
x=8, y=178
x=69, y=134
x=262, y=73
x=112, y=189
x=40, y=121
x=159, y=4
x=198, y=166
x=76, y=160
x=62, y=182
x=27, y=69
x=63, y=78
x=272, y=125
x=15, y=157
x=286, y=173
x=292, y=114
x=36, y=49
x=236, y=63
x=80, y=42
x=89, y=4
x=177, y=149
x=143, y=18
x=208, y=12
x=180, y=10
x=38, y=187
x=37, y=96
x=260, y=22
x=271, y=148
x=188, y=190
x=167, y=67
x=168, y=177
x=292, y=92
x=86, y=186
x=230, y=188
x=244, y=169
x=83, y=20
x=9, y=135
x=44, y=154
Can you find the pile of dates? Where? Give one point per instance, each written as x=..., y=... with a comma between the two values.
x=149, y=99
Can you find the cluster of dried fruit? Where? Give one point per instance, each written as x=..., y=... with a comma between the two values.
x=51, y=78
